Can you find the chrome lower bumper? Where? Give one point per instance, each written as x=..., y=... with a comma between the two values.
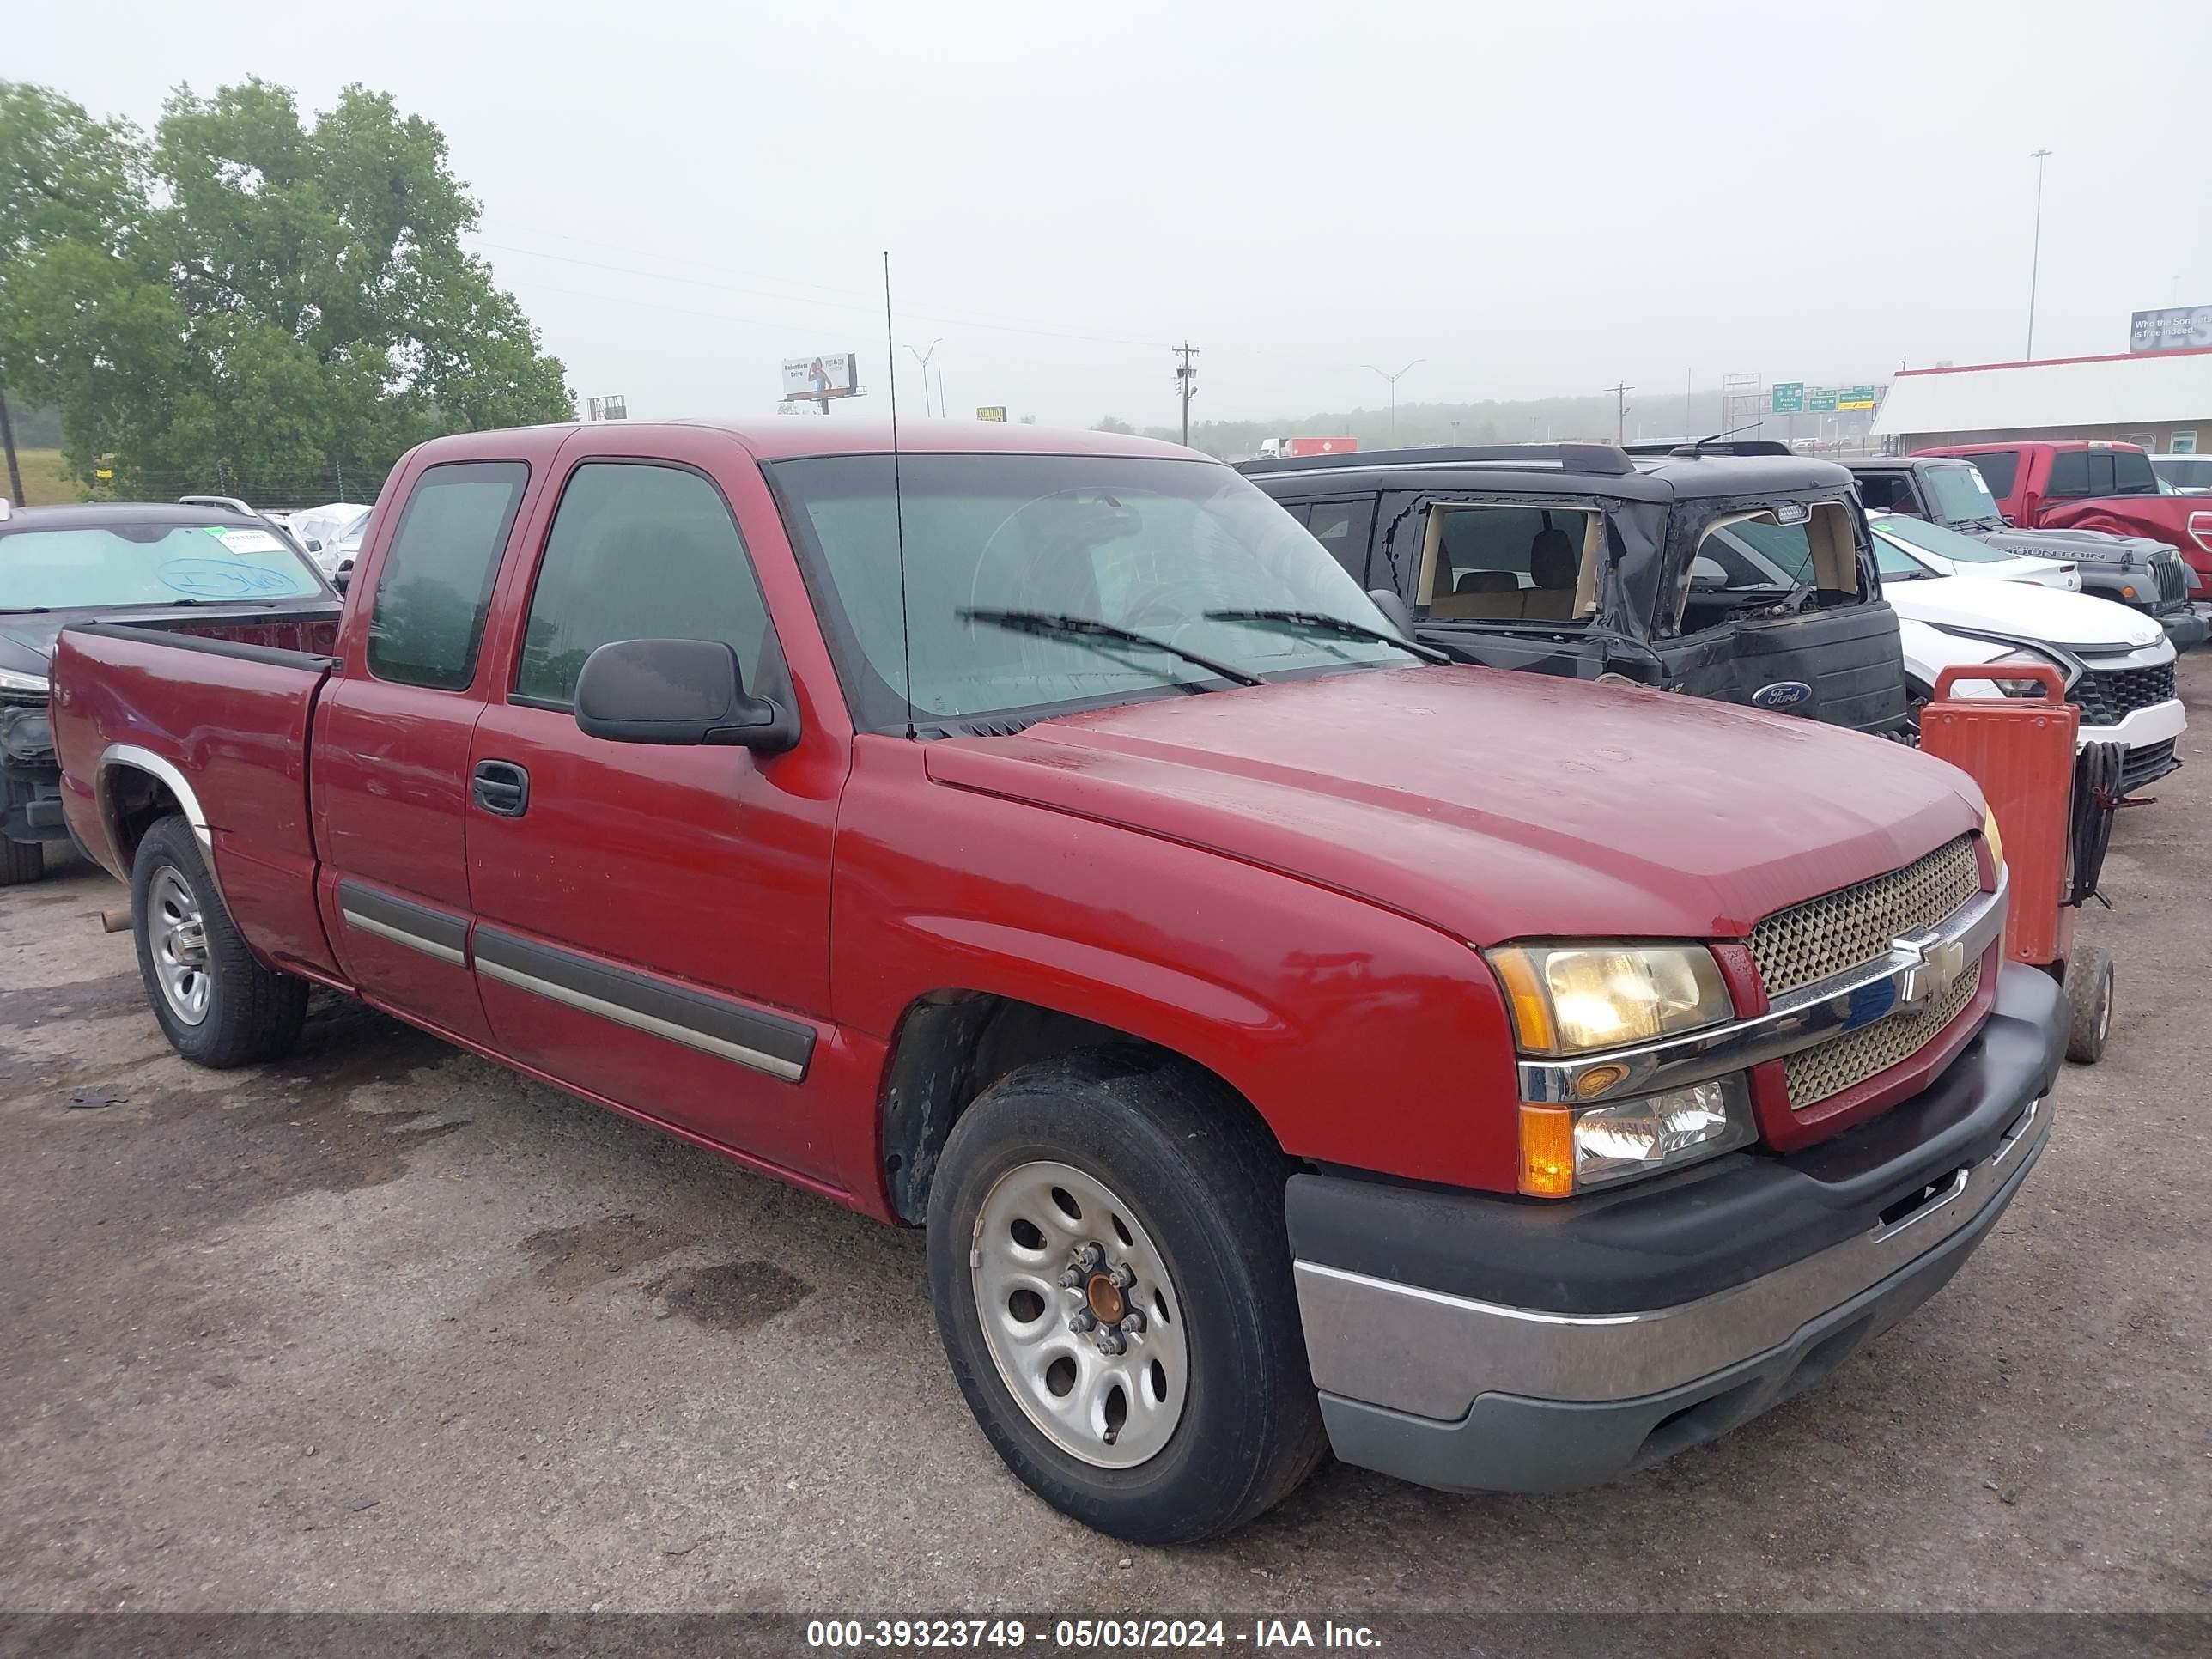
x=1432, y=1355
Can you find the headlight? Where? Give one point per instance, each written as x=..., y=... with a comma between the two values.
x=1571, y=1000
x=1568, y=1149
x=1995, y=841
x=11, y=680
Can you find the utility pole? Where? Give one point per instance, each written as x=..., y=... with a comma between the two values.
x=2035, y=255
x=923, y=357
x=1620, y=410
x=944, y=408
x=1393, y=379
x=8, y=438
x=1186, y=382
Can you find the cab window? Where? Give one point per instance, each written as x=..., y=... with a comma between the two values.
x=1770, y=560
x=435, y=589
x=638, y=551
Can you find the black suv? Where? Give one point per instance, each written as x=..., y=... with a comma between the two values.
x=1739, y=571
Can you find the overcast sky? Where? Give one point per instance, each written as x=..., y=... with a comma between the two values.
x=1535, y=200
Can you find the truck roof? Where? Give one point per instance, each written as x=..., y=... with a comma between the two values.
x=1567, y=468
x=779, y=438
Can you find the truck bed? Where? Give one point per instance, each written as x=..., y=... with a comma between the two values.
x=214, y=713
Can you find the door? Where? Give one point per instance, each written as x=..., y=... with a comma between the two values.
x=652, y=922
x=390, y=773
x=1511, y=582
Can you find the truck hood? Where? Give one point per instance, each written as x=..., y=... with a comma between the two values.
x=26, y=643
x=2090, y=546
x=1491, y=803
x=2021, y=612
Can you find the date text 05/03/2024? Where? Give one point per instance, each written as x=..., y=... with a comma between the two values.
x=1258, y=1635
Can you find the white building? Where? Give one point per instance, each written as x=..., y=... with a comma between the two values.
x=2160, y=399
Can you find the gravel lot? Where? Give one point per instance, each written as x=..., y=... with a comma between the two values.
x=385, y=1328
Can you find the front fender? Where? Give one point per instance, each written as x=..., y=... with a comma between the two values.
x=1363, y=1037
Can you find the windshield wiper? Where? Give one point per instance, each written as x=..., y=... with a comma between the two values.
x=24, y=609
x=1053, y=622
x=1329, y=624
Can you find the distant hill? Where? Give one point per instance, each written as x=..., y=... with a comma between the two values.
x=1555, y=420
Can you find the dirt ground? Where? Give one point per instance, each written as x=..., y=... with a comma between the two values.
x=385, y=1328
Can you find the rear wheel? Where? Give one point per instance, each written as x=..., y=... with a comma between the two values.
x=217, y=1004
x=2088, y=988
x=1112, y=1282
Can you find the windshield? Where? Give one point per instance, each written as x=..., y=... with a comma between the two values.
x=141, y=564
x=1147, y=545
x=1941, y=540
x=1895, y=564
x=1960, y=494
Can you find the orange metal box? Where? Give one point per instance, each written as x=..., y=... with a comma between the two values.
x=2021, y=753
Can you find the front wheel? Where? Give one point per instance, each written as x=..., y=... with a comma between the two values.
x=217, y=1004
x=1112, y=1283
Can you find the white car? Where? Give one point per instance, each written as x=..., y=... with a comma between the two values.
x=1948, y=553
x=320, y=529
x=2117, y=663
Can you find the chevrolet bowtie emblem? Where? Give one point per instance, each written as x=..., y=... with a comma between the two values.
x=1936, y=965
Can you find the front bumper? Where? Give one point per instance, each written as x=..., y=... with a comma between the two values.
x=2189, y=624
x=1477, y=1343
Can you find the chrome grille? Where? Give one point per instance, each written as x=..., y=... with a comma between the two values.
x=1814, y=1074
x=1854, y=925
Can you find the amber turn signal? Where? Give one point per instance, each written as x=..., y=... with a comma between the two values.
x=1547, y=1151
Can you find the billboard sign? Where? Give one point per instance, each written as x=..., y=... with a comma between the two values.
x=829, y=375
x=616, y=408
x=2178, y=328
x=992, y=412
x=1788, y=397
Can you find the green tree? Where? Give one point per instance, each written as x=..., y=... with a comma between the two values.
x=250, y=299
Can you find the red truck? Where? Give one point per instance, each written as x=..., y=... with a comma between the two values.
x=1287, y=1041
x=2088, y=483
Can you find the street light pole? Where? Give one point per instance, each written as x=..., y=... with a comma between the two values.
x=2035, y=256
x=1393, y=379
x=923, y=357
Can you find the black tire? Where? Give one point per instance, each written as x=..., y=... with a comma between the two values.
x=1203, y=1180
x=253, y=1013
x=20, y=861
x=2088, y=986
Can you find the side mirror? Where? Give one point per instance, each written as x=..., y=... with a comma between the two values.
x=313, y=546
x=342, y=579
x=1394, y=608
x=677, y=691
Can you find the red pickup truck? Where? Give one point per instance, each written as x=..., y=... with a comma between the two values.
x=2085, y=483
x=1287, y=1041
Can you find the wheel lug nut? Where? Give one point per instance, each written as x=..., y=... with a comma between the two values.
x=1125, y=1276
x=1083, y=1321
x=1133, y=1323
x=1072, y=1279
x=1090, y=1258
x=1109, y=1341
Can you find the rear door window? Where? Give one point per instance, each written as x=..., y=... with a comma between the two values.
x=2132, y=474
x=1507, y=562
x=2069, y=475
x=432, y=594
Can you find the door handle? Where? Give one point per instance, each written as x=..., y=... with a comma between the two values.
x=501, y=788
